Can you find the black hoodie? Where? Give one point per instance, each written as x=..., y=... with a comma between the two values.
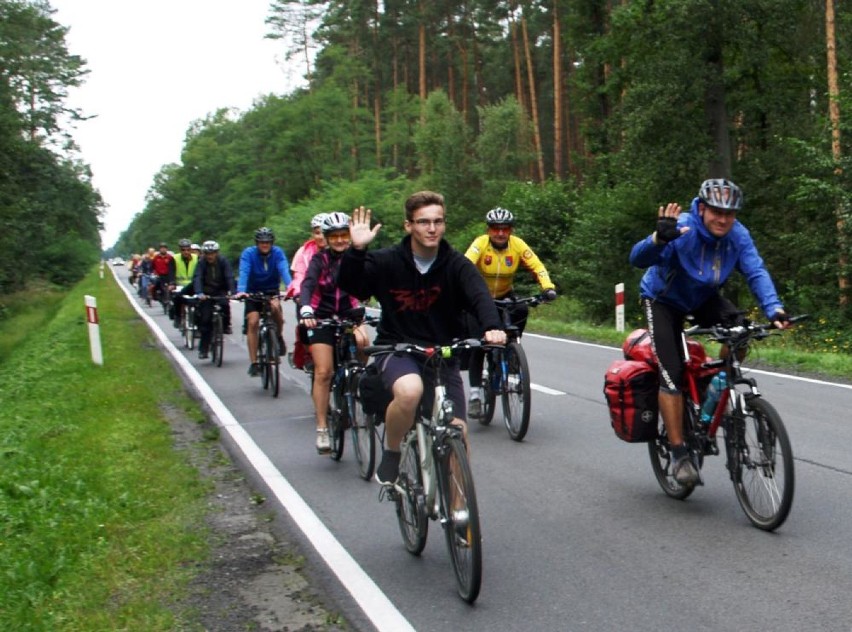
x=424, y=309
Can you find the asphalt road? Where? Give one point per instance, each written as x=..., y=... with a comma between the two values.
x=577, y=534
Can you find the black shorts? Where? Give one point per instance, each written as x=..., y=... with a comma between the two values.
x=396, y=366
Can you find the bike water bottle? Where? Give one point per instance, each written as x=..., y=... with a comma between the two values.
x=714, y=391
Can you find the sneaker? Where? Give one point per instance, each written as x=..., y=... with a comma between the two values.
x=203, y=354
x=254, y=369
x=323, y=441
x=290, y=360
x=388, y=470
x=229, y=330
x=684, y=472
x=474, y=405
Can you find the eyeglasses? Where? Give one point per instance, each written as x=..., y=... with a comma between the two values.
x=424, y=223
x=500, y=228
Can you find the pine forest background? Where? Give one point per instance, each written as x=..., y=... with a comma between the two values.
x=581, y=116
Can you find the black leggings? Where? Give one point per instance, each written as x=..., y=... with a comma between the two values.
x=665, y=326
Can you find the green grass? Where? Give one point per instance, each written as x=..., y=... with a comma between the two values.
x=99, y=515
x=24, y=312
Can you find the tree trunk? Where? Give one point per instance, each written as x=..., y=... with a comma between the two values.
x=533, y=100
x=421, y=62
x=558, y=113
x=520, y=93
x=834, y=117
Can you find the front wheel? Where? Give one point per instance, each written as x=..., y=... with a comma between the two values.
x=662, y=462
x=762, y=464
x=410, y=501
x=363, y=434
x=272, y=361
x=217, y=345
x=489, y=396
x=516, y=391
x=461, y=518
x=338, y=416
x=188, y=331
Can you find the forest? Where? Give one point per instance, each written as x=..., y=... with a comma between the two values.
x=581, y=116
x=49, y=211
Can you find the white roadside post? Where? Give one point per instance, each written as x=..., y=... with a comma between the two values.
x=101, y=269
x=619, y=307
x=94, y=330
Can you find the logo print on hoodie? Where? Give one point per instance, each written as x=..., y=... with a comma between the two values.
x=416, y=301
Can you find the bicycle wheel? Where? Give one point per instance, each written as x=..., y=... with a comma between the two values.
x=188, y=332
x=410, y=502
x=661, y=462
x=217, y=342
x=763, y=472
x=516, y=392
x=272, y=361
x=337, y=417
x=363, y=435
x=461, y=527
x=262, y=343
x=489, y=396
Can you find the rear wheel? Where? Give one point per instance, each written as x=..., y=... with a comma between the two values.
x=763, y=474
x=662, y=462
x=338, y=415
x=462, y=530
x=410, y=502
x=363, y=435
x=516, y=393
x=489, y=397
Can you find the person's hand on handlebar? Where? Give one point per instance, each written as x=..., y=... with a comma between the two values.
x=549, y=295
x=306, y=314
x=495, y=337
x=240, y=295
x=780, y=320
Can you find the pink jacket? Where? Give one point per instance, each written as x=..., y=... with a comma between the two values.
x=301, y=260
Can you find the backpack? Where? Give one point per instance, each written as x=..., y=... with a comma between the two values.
x=631, y=388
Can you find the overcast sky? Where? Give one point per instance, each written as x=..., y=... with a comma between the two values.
x=156, y=66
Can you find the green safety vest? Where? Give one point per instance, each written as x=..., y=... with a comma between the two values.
x=184, y=271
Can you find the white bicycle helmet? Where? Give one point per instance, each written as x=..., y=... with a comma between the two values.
x=210, y=246
x=335, y=221
x=316, y=220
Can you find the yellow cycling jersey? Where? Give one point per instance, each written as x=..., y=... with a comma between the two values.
x=498, y=267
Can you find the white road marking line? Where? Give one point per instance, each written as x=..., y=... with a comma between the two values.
x=546, y=390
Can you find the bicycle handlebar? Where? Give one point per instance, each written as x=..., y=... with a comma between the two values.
x=748, y=330
x=430, y=352
x=259, y=296
x=532, y=301
x=343, y=322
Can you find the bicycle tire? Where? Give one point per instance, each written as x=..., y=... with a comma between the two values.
x=464, y=538
x=410, y=501
x=764, y=473
x=218, y=340
x=661, y=464
x=261, y=358
x=489, y=396
x=516, y=392
x=188, y=333
x=337, y=417
x=272, y=361
x=363, y=435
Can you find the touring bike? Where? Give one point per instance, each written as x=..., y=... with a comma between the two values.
x=217, y=336
x=435, y=480
x=757, y=446
x=344, y=411
x=506, y=372
x=268, y=353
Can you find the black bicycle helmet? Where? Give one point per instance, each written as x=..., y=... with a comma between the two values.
x=264, y=234
x=499, y=216
x=184, y=243
x=335, y=221
x=721, y=193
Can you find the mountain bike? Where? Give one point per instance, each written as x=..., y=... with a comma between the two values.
x=268, y=353
x=343, y=411
x=217, y=337
x=188, y=326
x=505, y=372
x=435, y=480
x=757, y=446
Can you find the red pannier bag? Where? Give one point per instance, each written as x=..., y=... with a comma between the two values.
x=637, y=346
x=631, y=388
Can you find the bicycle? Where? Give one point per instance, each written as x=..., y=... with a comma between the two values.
x=757, y=446
x=217, y=339
x=435, y=480
x=188, y=326
x=343, y=411
x=268, y=353
x=506, y=372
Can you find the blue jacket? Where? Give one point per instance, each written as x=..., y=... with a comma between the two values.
x=687, y=271
x=263, y=274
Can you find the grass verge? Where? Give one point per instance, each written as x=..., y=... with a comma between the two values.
x=99, y=516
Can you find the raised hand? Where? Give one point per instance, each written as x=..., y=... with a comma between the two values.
x=359, y=228
x=667, y=229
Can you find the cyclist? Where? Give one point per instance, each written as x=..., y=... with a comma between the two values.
x=184, y=270
x=688, y=259
x=196, y=250
x=498, y=255
x=263, y=268
x=301, y=260
x=321, y=298
x=213, y=277
x=422, y=285
x=146, y=269
x=163, y=265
